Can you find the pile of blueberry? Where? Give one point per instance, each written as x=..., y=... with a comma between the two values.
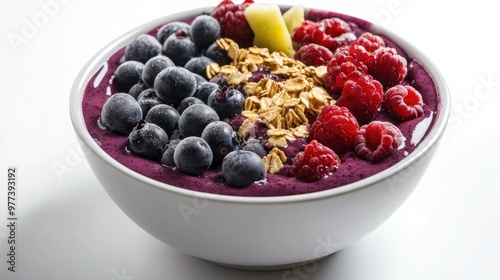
x=171, y=112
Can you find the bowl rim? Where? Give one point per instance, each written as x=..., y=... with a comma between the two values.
x=98, y=60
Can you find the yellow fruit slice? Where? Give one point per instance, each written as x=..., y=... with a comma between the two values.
x=294, y=17
x=269, y=28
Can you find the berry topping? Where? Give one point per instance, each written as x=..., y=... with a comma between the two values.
x=170, y=28
x=233, y=22
x=148, y=99
x=188, y=101
x=377, y=140
x=128, y=74
x=179, y=47
x=165, y=116
x=226, y=102
x=192, y=155
x=204, y=89
x=221, y=138
x=370, y=42
x=313, y=55
x=195, y=118
x=335, y=127
x=148, y=140
x=342, y=67
x=136, y=89
x=314, y=162
x=167, y=158
x=255, y=146
x=198, y=65
x=329, y=32
x=241, y=168
x=204, y=31
x=388, y=67
x=362, y=97
x=217, y=54
x=142, y=48
x=154, y=66
x=173, y=84
x=121, y=113
x=403, y=103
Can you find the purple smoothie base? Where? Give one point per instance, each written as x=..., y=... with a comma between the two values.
x=351, y=169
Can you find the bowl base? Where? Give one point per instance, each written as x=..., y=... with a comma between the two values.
x=272, y=267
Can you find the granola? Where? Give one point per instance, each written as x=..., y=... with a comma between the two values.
x=283, y=106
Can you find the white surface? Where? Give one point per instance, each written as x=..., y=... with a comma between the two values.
x=68, y=228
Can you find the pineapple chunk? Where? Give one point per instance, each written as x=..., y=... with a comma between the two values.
x=269, y=28
x=294, y=17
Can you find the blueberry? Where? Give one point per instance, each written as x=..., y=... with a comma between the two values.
x=136, y=89
x=199, y=78
x=226, y=102
x=179, y=47
x=221, y=138
x=193, y=155
x=188, y=101
x=241, y=168
x=221, y=80
x=153, y=66
x=148, y=140
x=198, y=65
x=121, y=113
x=176, y=134
x=142, y=48
x=148, y=99
x=170, y=28
x=217, y=54
x=167, y=158
x=165, y=116
x=195, y=118
x=204, y=89
x=128, y=74
x=173, y=84
x=205, y=30
x=255, y=146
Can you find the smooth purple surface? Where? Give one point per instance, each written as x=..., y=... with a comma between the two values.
x=351, y=169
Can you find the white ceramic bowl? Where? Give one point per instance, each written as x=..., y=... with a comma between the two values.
x=256, y=232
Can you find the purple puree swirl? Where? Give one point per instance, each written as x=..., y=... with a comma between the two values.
x=351, y=169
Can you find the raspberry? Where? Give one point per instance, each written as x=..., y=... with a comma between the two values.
x=377, y=140
x=403, y=103
x=370, y=42
x=233, y=22
x=362, y=97
x=388, y=67
x=313, y=55
x=342, y=67
x=314, y=162
x=329, y=32
x=335, y=127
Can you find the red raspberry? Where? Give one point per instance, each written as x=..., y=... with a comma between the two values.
x=403, y=103
x=313, y=55
x=232, y=21
x=335, y=127
x=362, y=97
x=370, y=41
x=343, y=66
x=335, y=26
x=388, y=67
x=314, y=162
x=377, y=140
x=329, y=32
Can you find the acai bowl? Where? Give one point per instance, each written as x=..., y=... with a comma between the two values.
x=278, y=220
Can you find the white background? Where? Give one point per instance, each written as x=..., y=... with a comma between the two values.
x=68, y=228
